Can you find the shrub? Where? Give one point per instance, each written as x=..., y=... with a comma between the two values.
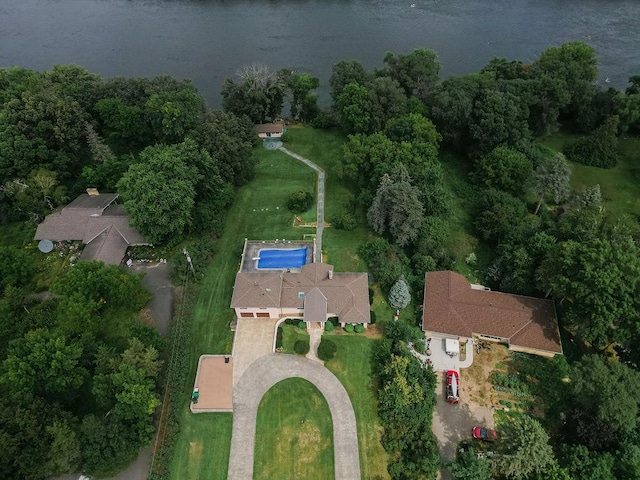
x=302, y=325
x=329, y=327
x=301, y=347
x=600, y=149
x=300, y=201
x=359, y=328
x=279, y=337
x=349, y=222
x=348, y=328
x=373, y=317
x=326, y=350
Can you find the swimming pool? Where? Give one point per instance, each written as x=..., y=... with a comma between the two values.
x=282, y=258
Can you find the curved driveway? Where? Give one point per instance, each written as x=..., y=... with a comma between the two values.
x=258, y=379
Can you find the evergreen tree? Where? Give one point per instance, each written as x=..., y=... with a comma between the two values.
x=399, y=295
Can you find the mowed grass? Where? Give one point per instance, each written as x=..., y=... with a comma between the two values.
x=352, y=366
x=294, y=433
x=324, y=148
x=290, y=335
x=619, y=185
x=259, y=213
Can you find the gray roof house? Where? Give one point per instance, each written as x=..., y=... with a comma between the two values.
x=97, y=221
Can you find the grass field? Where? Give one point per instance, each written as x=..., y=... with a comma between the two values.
x=290, y=335
x=325, y=149
x=294, y=433
x=352, y=366
x=619, y=185
x=210, y=434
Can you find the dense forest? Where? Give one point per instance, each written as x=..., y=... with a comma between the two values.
x=80, y=370
x=81, y=367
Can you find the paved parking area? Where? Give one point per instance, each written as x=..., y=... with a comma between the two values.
x=442, y=362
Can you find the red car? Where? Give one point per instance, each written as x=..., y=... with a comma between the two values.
x=485, y=434
x=453, y=384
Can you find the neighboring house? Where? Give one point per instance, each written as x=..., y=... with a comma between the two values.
x=271, y=130
x=314, y=294
x=455, y=308
x=96, y=220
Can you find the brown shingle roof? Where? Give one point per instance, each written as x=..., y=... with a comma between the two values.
x=277, y=127
x=346, y=294
x=97, y=222
x=453, y=307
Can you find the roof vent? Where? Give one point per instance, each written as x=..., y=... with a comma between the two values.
x=267, y=289
x=300, y=294
x=330, y=274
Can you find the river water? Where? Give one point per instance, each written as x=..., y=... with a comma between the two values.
x=208, y=40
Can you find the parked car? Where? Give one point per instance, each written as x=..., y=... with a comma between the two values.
x=485, y=434
x=453, y=385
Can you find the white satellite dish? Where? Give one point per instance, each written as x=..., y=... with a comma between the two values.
x=45, y=246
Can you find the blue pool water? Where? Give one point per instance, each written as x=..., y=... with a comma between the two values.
x=294, y=258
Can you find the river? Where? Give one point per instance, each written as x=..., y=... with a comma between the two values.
x=208, y=40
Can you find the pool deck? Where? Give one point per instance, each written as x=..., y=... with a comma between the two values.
x=253, y=247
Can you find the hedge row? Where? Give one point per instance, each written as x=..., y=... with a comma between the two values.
x=176, y=377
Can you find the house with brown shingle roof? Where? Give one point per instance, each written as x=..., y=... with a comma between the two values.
x=270, y=130
x=454, y=308
x=97, y=221
x=313, y=294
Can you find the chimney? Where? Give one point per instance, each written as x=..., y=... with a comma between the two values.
x=93, y=192
x=330, y=274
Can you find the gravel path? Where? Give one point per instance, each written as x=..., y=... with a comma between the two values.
x=264, y=374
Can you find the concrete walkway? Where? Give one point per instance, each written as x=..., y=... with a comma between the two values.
x=315, y=335
x=320, y=204
x=258, y=380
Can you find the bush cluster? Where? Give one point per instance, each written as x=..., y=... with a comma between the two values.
x=301, y=347
x=327, y=349
x=300, y=201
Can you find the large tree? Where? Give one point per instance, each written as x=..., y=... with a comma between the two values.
x=606, y=393
x=396, y=208
x=416, y=72
x=597, y=280
x=345, y=72
x=551, y=177
x=159, y=193
x=523, y=449
x=258, y=94
x=503, y=169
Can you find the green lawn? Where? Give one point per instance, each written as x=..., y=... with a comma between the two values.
x=277, y=176
x=290, y=335
x=325, y=149
x=294, y=433
x=248, y=218
x=352, y=366
x=619, y=185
